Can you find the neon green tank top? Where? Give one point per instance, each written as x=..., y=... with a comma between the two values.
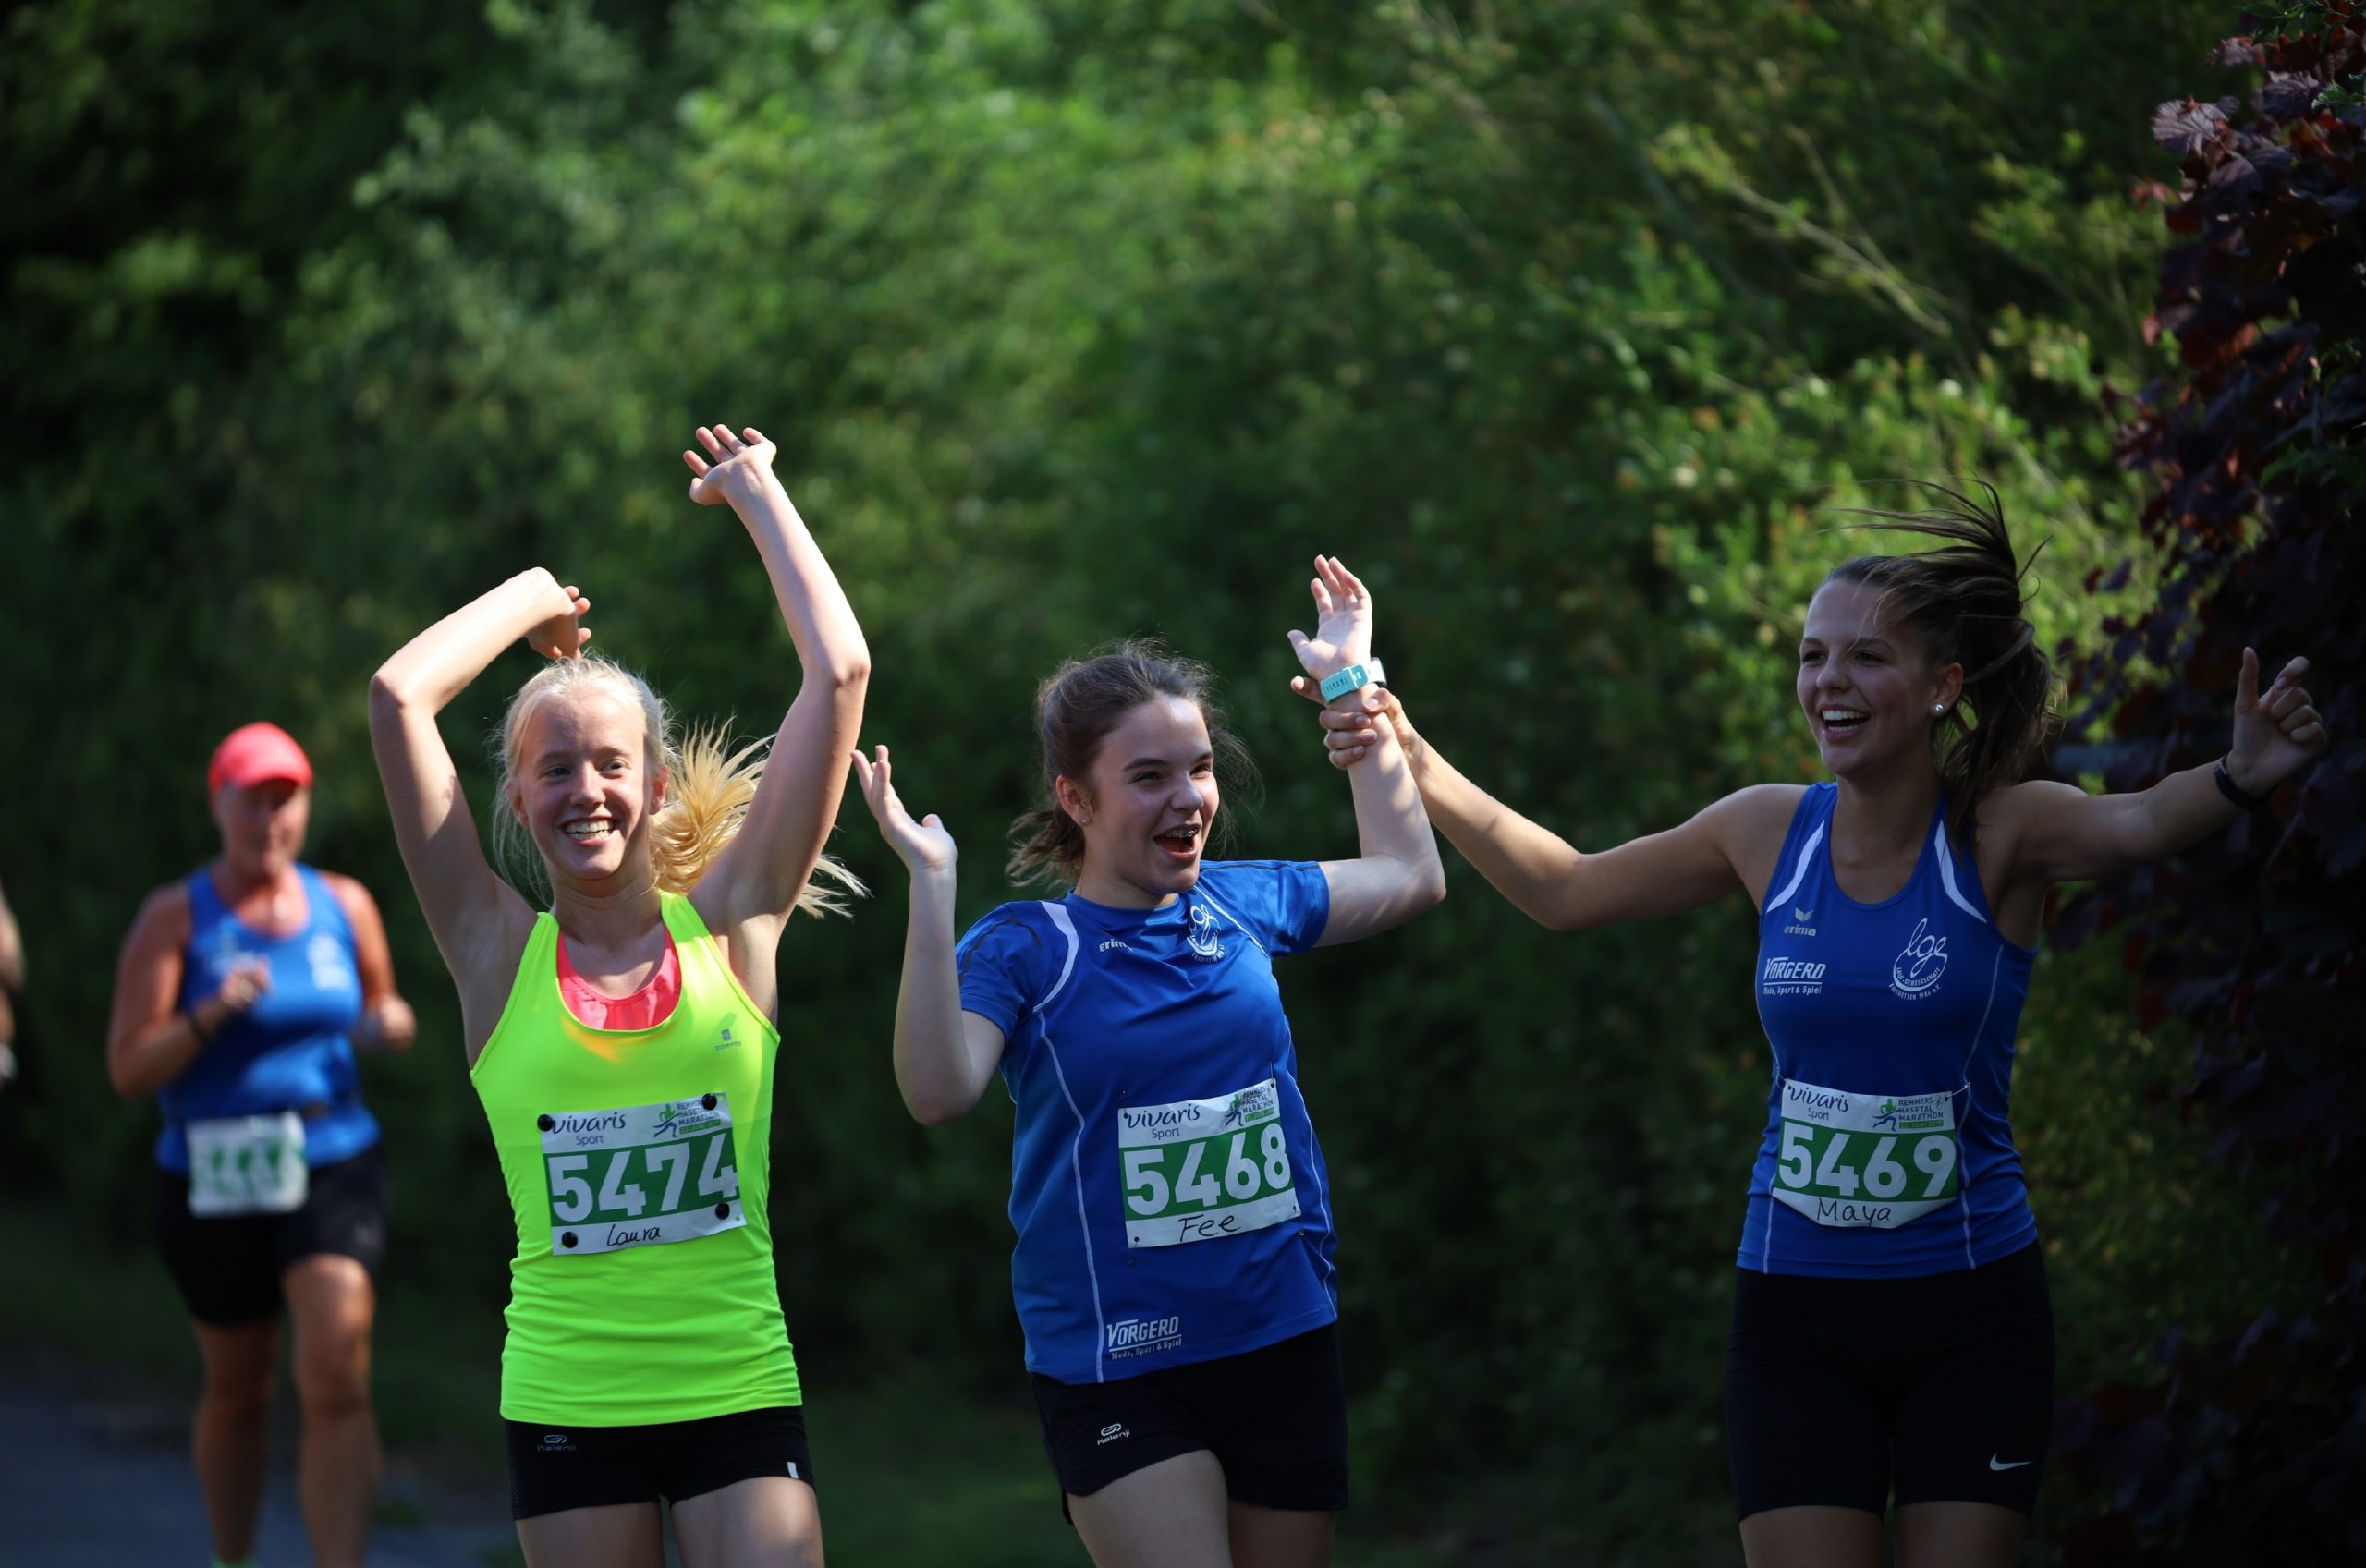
x=638, y=1167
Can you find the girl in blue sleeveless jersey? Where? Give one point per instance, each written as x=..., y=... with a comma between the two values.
x=1892, y=1336
x=243, y=991
x=1174, y=1272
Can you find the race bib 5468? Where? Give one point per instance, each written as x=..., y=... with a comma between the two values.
x=1200, y=1170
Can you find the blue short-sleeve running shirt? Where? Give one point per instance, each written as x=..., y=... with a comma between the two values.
x=1165, y=1183
x=1888, y=1150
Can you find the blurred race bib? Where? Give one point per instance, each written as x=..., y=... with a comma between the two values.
x=247, y=1166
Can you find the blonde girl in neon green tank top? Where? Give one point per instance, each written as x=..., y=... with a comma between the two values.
x=622, y=1042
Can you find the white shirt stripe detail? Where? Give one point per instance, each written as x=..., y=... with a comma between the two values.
x=1067, y=929
x=1075, y=1144
x=1799, y=869
x=1947, y=877
x=1963, y=1193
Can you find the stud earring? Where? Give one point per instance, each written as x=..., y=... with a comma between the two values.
x=1937, y=708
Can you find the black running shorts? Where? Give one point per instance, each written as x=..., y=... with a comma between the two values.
x=228, y=1267
x=1275, y=1418
x=555, y=1465
x=1849, y=1392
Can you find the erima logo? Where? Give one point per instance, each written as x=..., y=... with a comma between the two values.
x=1800, y=918
x=1113, y=942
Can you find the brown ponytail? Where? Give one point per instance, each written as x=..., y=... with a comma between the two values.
x=1967, y=603
x=1075, y=710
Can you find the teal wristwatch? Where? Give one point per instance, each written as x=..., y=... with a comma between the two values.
x=1355, y=677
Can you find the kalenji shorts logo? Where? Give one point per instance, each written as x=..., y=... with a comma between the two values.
x=1111, y=1433
x=1139, y=1336
x=1915, y=972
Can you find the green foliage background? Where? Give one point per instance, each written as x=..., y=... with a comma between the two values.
x=1565, y=322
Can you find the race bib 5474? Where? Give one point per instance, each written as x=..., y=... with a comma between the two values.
x=1202, y=1170
x=641, y=1175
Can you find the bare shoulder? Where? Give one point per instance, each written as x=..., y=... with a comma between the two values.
x=164, y=918
x=1749, y=825
x=2007, y=815
x=351, y=896
x=1754, y=806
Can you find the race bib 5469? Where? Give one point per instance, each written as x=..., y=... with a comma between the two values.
x=1866, y=1160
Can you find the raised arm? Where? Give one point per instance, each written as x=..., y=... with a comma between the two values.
x=759, y=875
x=945, y=1057
x=1729, y=846
x=1397, y=875
x=479, y=922
x=2060, y=833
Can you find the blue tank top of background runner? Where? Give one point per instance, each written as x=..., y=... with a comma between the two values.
x=1887, y=1150
x=1168, y=1194
x=290, y=1051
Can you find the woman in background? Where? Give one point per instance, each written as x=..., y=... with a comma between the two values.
x=243, y=991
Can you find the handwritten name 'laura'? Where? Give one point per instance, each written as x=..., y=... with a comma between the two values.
x=619, y=1236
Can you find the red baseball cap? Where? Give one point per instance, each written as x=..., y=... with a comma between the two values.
x=253, y=753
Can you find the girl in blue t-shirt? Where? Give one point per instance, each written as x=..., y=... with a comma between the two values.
x=1174, y=1272
x=1891, y=1335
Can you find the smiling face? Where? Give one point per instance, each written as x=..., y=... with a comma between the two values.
x=583, y=788
x=1867, y=684
x=1145, y=806
x=262, y=827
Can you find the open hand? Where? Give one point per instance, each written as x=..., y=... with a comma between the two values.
x=924, y=846
x=740, y=464
x=1342, y=630
x=2277, y=732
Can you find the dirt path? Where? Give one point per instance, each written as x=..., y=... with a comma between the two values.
x=96, y=1474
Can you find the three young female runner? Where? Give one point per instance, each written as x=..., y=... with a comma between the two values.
x=1174, y=1272
x=623, y=1045
x=242, y=992
x=1891, y=1335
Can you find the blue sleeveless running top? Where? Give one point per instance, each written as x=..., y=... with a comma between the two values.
x=290, y=1051
x=1168, y=1194
x=1887, y=1150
